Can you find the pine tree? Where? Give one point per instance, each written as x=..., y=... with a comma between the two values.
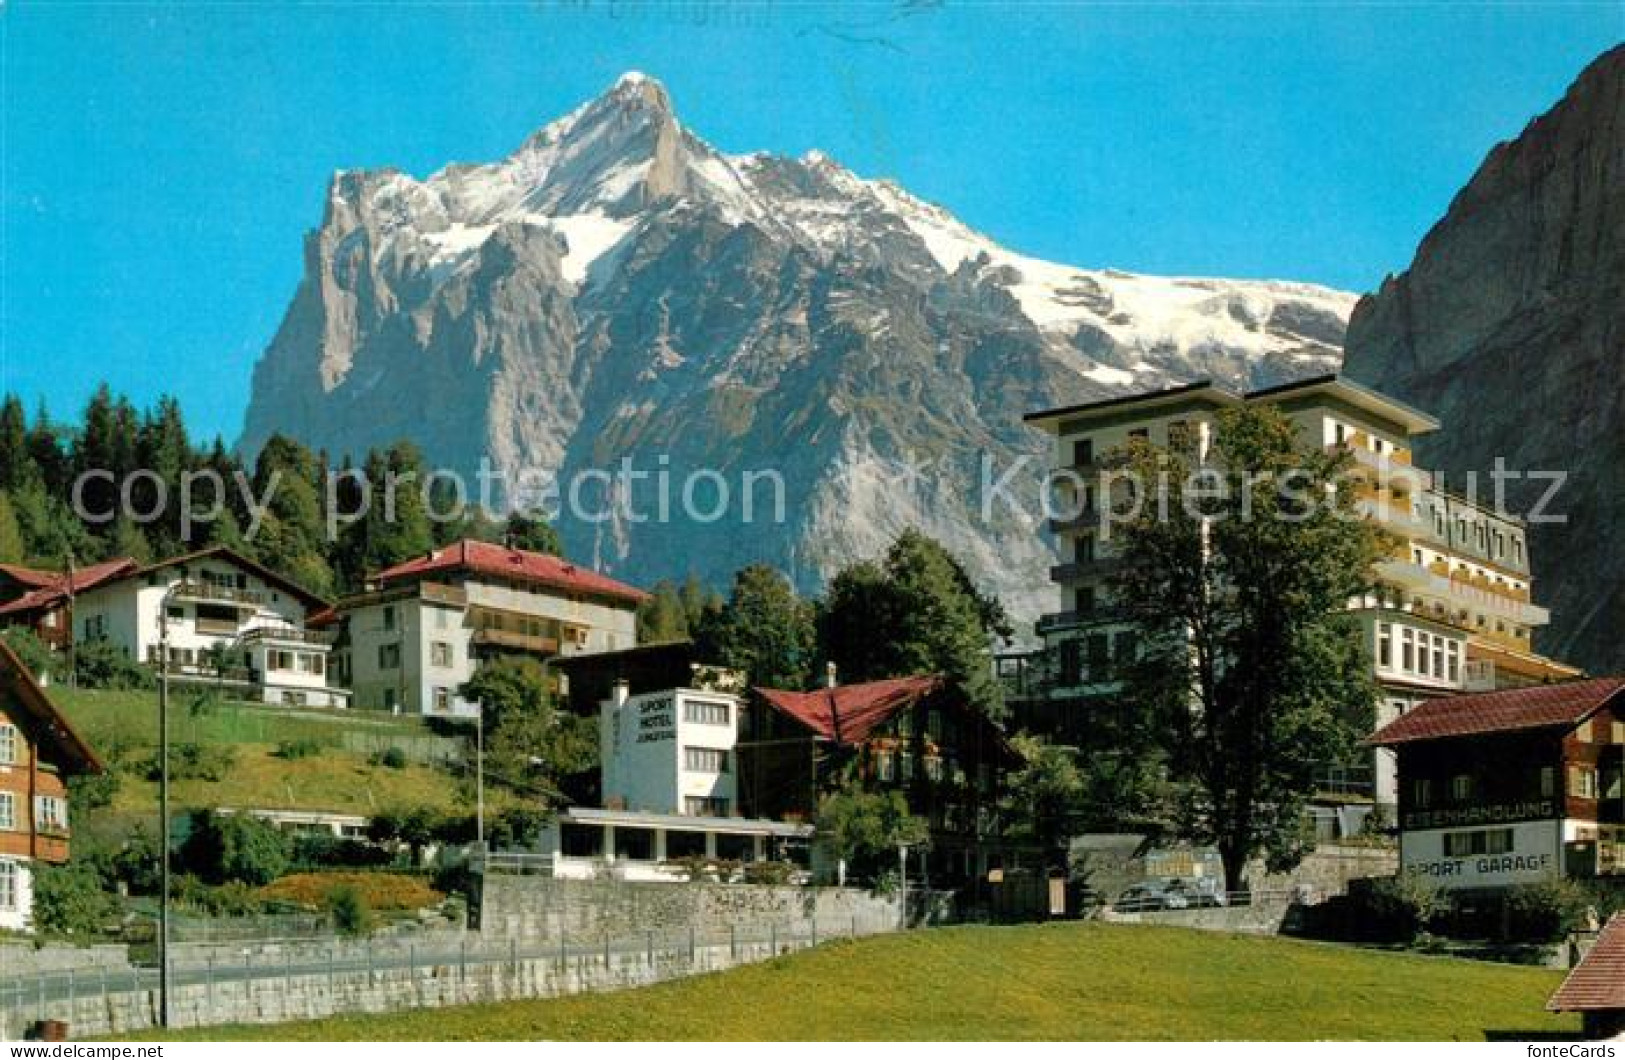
x=13, y=549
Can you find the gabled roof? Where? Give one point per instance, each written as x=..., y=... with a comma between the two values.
x=499, y=561
x=1514, y=710
x=58, y=588
x=58, y=741
x=847, y=714
x=28, y=576
x=311, y=601
x=1598, y=981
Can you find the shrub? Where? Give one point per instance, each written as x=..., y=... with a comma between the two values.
x=1394, y=908
x=349, y=909
x=195, y=761
x=296, y=749
x=93, y=791
x=392, y=758
x=71, y=900
x=101, y=664
x=1545, y=912
x=33, y=652
x=323, y=851
x=770, y=873
x=224, y=847
x=233, y=898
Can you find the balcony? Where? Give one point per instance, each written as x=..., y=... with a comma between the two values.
x=1081, y=570
x=1393, y=515
x=202, y=592
x=510, y=641
x=1396, y=469
x=307, y=637
x=1432, y=583
x=1095, y=616
x=1088, y=519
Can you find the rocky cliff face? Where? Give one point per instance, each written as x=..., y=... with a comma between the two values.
x=617, y=289
x=1510, y=326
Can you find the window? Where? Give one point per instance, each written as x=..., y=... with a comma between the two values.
x=1407, y=650
x=1422, y=792
x=390, y=701
x=312, y=664
x=1142, y=433
x=1098, y=647
x=1548, y=781
x=1385, y=645
x=439, y=653
x=704, y=712
x=1618, y=733
x=389, y=618
x=1126, y=648
x=1583, y=782
x=933, y=725
x=704, y=806
x=1454, y=649
x=1470, y=844
x=9, y=744
x=1517, y=551
x=1461, y=787
x=906, y=759
x=885, y=767
x=634, y=844
x=933, y=767
x=389, y=656
x=51, y=813
x=8, y=812
x=1071, y=663
x=9, y=872
x=442, y=618
x=442, y=700
x=705, y=760
x=1083, y=452
x=1340, y=433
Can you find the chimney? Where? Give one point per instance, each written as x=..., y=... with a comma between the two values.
x=830, y=675
x=619, y=691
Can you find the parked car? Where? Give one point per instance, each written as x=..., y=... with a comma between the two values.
x=1157, y=894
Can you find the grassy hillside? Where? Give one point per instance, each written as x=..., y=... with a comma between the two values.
x=342, y=775
x=1071, y=981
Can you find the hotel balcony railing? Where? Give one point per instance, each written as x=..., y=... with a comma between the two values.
x=217, y=594
x=1098, y=567
x=1502, y=604
x=313, y=637
x=1393, y=515
x=1094, y=616
x=502, y=638
x=1390, y=469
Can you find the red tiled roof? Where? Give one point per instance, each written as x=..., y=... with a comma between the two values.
x=480, y=557
x=68, y=749
x=33, y=579
x=57, y=588
x=1598, y=981
x=849, y=713
x=1514, y=710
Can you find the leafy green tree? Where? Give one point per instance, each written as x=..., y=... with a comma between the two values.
x=1044, y=800
x=528, y=742
x=1251, y=667
x=72, y=900
x=918, y=612
x=532, y=534
x=234, y=847
x=865, y=829
x=764, y=629
x=396, y=524
x=673, y=611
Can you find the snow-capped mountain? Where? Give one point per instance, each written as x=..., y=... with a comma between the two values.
x=618, y=288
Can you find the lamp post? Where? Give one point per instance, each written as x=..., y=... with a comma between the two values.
x=902, y=892
x=163, y=807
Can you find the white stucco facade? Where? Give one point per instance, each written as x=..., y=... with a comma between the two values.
x=671, y=752
x=16, y=893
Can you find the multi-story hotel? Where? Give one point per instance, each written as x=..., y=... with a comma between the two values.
x=1454, y=608
x=415, y=637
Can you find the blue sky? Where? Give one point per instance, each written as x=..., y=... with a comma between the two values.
x=162, y=163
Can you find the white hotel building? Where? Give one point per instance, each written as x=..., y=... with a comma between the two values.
x=1454, y=610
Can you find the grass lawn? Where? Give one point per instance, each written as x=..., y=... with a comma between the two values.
x=341, y=777
x=1061, y=981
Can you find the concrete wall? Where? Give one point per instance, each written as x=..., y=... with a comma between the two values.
x=531, y=907
x=278, y=991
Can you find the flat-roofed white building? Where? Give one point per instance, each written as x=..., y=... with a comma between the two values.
x=671, y=752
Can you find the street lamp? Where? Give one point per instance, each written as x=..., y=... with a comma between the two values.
x=163, y=806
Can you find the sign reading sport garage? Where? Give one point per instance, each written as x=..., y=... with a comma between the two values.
x=1454, y=859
